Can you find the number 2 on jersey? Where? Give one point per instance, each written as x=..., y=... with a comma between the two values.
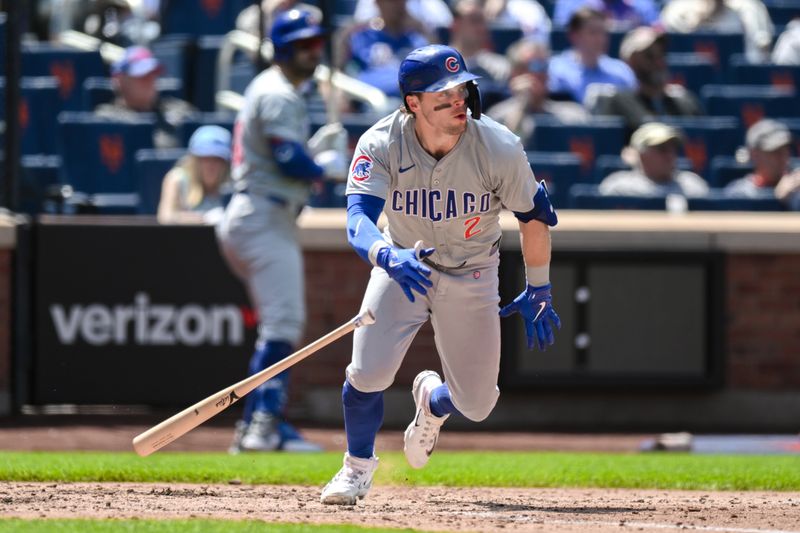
x=470, y=224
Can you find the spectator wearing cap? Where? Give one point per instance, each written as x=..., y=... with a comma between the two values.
x=585, y=68
x=644, y=49
x=529, y=93
x=621, y=14
x=653, y=156
x=191, y=190
x=134, y=78
x=769, y=146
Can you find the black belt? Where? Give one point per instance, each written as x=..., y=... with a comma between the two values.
x=441, y=268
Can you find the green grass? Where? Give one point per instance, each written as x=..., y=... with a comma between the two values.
x=174, y=526
x=457, y=469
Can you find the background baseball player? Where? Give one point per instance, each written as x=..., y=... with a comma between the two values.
x=443, y=174
x=274, y=164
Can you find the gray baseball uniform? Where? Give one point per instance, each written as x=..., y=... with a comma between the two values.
x=258, y=234
x=452, y=204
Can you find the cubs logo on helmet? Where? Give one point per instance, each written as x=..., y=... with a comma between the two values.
x=362, y=167
x=451, y=64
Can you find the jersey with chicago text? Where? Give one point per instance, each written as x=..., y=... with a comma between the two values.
x=453, y=203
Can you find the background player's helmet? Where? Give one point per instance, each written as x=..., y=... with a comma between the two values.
x=290, y=26
x=435, y=68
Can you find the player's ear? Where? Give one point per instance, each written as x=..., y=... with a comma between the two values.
x=412, y=102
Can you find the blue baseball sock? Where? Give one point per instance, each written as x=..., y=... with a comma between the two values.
x=363, y=416
x=441, y=402
x=271, y=396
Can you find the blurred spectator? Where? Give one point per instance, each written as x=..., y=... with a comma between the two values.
x=577, y=69
x=527, y=15
x=372, y=51
x=725, y=16
x=653, y=154
x=431, y=14
x=191, y=191
x=247, y=19
x=769, y=146
x=644, y=49
x=470, y=36
x=787, y=47
x=134, y=78
x=530, y=96
x=621, y=14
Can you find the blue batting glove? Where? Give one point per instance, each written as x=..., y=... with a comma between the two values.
x=404, y=266
x=534, y=304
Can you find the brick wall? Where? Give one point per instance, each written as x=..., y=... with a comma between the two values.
x=763, y=321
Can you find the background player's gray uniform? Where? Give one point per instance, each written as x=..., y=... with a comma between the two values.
x=258, y=234
x=452, y=204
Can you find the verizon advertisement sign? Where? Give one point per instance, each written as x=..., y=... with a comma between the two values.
x=134, y=314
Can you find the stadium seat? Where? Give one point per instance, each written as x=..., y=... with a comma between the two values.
x=559, y=41
x=99, y=157
x=328, y=194
x=743, y=73
x=175, y=53
x=586, y=196
x=201, y=17
x=718, y=47
x=188, y=126
x=782, y=11
x=39, y=174
x=151, y=167
x=692, y=71
x=37, y=113
x=601, y=136
x=204, y=77
x=559, y=170
x=71, y=67
x=717, y=201
x=707, y=137
x=750, y=103
x=2, y=44
x=725, y=169
x=98, y=91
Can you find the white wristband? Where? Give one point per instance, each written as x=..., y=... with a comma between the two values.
x=376, y=247
x=538, y=275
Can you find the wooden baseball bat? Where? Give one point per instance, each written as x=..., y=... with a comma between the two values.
x=177, y=425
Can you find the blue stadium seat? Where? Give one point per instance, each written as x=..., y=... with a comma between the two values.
x=98, y=91
x=2, y=44
x=71, y=67
x=204, y=77
x=99, y=155
x=39, y=174
x=188, y=127
x=175, y=53
x=559, y=41
x=750, y=102
x=707, y=137
x=241, y=74
x=328, y=194
x=692, y=71
x=716, y=201
x=782, y=11
x=201, y=17
x=586, y=196
x=744, y=73
x=601, y=136
x=718, y=47
x=151, y=167
x=37, y=113
x=725, y=169
x=559, y=170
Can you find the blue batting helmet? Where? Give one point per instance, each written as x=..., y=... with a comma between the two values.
x=435, y=68
x=290, y=26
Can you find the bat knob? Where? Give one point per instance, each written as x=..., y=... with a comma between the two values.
x=364, y=318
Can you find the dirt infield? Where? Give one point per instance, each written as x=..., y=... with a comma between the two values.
x=436, y=509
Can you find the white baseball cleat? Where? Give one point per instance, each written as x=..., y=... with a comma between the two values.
x=422, y=433
x=261, y=435
x=351, y=482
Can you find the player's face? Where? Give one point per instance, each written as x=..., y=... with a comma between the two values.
x=446, y=110
x=307, y=56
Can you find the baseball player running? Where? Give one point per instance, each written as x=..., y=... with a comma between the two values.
x=441, y=174
x=274, y=164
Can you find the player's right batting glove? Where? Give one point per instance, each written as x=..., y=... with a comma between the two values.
x=535, y=306
x=404, y=266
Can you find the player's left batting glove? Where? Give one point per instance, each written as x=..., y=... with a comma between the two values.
x=535, y=306
x=405, y=267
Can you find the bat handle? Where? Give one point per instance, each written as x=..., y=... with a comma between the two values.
x=365, y=318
